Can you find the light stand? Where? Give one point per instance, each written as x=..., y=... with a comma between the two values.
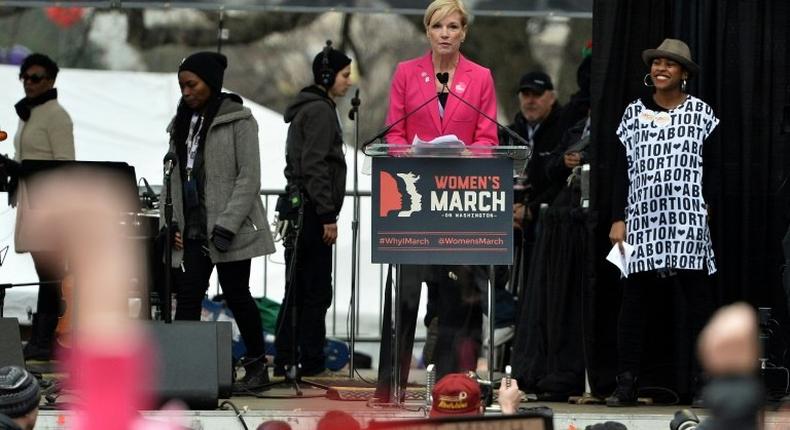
x=353, y=114
x=292, y=377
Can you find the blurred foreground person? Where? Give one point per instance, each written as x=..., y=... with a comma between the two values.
x=110, y=361
x=729, y=349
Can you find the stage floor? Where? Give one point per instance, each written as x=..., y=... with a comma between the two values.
x=280, y=403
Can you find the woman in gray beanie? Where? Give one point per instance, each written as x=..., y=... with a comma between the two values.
x=216, y=202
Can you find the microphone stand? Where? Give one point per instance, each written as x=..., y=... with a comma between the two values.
x=386, y=129
x=354, y=115
x=167, y=287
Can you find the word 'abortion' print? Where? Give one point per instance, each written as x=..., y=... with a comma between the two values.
x=666, y=214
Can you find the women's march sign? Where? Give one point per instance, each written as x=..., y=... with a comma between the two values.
x=442, y=211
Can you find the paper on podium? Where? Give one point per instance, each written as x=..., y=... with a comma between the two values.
x=446, y=145
x=621, y=260
x=446, y=140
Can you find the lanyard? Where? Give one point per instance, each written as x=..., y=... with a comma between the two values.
x=195, y=124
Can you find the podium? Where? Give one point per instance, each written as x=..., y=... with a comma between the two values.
x=440, y=204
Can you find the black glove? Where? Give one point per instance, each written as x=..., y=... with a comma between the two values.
x=221, y=237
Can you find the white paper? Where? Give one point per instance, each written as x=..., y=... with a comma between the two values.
x=621, y=260
x=447, y=139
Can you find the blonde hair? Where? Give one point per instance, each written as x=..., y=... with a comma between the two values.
x=440, y=9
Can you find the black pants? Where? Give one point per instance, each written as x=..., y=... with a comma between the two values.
x=460, y=320
x=308, y=298
x=49, y=304
x=234, y=278
x=696, y=289
x=49, y=267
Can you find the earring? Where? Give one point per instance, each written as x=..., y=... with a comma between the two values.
x=644, y=81
x=683, y=86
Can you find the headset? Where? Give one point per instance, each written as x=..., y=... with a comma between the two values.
x=326, y=75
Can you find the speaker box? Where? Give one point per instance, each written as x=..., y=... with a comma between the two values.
x=195, y=363
x=225, y=358
x=10, y=343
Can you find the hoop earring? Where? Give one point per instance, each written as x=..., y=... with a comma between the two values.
x=644, y=81
x=683, y=86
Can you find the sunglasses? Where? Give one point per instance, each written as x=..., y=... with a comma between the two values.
x=32, y=78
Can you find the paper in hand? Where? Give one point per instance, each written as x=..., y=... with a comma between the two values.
x=621, y=260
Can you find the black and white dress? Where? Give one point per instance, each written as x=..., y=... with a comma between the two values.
x=666, y=214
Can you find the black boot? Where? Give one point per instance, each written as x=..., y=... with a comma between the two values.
x=256, y=375
x=626, y=392
x=40, y=345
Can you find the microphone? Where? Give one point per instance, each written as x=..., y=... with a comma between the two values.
x=443, y=78
x=170, y=162
x=355, y=102
x=387, y=128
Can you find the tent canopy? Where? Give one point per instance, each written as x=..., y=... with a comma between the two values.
x=572, y=8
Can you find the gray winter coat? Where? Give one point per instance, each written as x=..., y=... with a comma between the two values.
x=232, y=166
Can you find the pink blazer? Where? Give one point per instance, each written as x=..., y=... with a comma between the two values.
x=413, y=84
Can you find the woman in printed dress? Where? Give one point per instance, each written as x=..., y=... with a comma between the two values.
x=659, y=207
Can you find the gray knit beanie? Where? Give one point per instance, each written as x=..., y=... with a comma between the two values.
x=19, y=391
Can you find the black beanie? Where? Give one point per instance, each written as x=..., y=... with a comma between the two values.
x=209, y=66
x=19, y=392
x=337, y=61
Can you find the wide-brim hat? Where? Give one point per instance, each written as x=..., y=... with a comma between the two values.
x=675, y=50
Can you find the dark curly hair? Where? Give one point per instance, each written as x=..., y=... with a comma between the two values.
x=42, y=60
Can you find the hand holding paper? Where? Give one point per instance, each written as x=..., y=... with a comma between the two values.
x=621, y=259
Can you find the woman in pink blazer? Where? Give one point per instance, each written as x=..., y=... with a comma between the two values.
x=415, y=82
x=453, y=292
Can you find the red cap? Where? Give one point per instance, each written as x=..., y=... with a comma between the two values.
x=456, y=394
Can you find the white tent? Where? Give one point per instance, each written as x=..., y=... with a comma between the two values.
x=122, y=116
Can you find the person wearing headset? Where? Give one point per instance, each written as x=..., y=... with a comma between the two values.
x=316, y=174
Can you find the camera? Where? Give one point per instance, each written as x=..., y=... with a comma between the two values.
x=684, y=419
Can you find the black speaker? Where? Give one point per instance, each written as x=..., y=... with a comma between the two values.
x=194, y=362
x=10, y=343
x=225, y=358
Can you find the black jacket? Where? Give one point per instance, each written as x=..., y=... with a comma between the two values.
x=541, y=189
x=315, y=163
